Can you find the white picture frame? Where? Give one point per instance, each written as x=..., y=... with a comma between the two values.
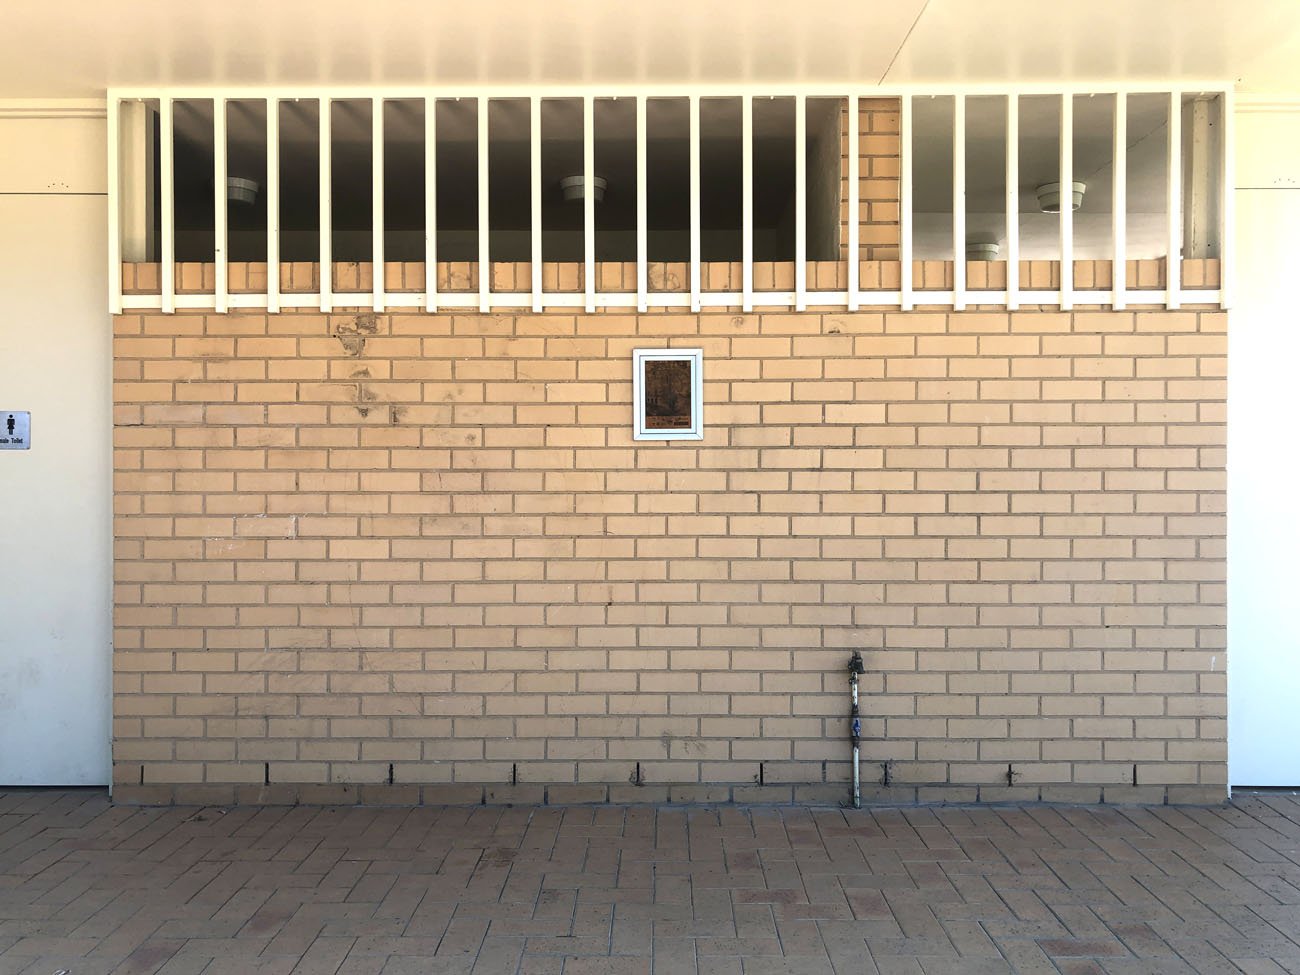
x=650, y=423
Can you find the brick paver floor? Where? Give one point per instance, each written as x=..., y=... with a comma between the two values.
x=90, y=888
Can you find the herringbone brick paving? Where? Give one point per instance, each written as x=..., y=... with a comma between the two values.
x=93, y=888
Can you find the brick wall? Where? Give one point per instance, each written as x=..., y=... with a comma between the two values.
x=419, y=558
x=878, y=179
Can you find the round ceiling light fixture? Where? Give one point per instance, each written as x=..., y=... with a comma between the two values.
x=240, y=190
x=573, y=186
x=1049, y=196
x=981, y=250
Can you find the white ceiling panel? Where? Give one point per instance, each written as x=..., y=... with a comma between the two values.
x=1253, y=42
x=77, y=48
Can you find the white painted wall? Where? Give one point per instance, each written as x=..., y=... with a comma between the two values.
x=1264, y=454
x=55, y=499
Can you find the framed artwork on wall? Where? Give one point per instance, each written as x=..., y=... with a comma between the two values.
x=668, y=394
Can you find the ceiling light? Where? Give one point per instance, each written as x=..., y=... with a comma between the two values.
x=981, y=250
x=572, y=187
x=1049, y=196
x=240, y=190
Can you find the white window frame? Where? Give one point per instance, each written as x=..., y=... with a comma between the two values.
x=639, y=359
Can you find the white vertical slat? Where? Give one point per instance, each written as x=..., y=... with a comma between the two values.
x=430, y=204
x=959, y=203
x=1067, y=201
x=642, y=213
x=1119, y=204
x=272, y=204
x=1174, y=265
x=851, y=226
x=1013, y=202
x=1227, y=211
x=167, y=177
x=114, y=211
x=377, y=203
x=747, y=203
x=535, y=182
x=326, y=205
x=800, y=203
x=484, y=235
x=589, y=201
x=905, y=204
x=694, y=140
x=220, y=207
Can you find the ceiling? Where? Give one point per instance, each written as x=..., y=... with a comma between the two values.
x=78, y=48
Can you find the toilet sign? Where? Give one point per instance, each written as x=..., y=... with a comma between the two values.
x=15, y=430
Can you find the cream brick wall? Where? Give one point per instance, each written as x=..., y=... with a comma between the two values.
x=419, y=558
x=879, y=143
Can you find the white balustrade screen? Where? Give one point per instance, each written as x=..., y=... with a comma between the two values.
x=691, y=177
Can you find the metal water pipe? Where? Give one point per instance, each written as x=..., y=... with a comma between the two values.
x=856, y=668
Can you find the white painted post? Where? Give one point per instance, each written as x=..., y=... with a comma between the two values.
x=535, y=182
x=1119, y=204
x=1173, y=264
x=800, y=203
x=905, y=205
x=747, y=203
x=694, y=140
x=1013, y=202
x=220, y=207
x=272, y=204
x=167, y=176
x=377, y=258
x=326, y=206
x=1227, y=210
x=430, y=204
x=642, y=213
x=959, y=203
x=589, y=201
x=851, y=225
x=1067, y=201
x=114, y=203
x=484, y=233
